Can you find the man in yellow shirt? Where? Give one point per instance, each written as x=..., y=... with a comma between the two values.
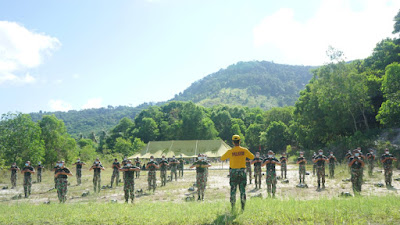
x=237, y=169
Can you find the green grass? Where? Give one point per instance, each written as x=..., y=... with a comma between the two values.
x=359, y=210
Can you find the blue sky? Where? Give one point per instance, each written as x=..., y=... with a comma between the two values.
x=62, y=55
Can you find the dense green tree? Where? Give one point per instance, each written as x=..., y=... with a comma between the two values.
x=20, y=139
x=389, y=112
x=253, y=137
x=276, y=137
x=148, y=131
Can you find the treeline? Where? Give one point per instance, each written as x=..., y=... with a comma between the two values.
x=84, y=122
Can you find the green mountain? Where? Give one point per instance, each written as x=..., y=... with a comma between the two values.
x=93, y=120
x=253, y=84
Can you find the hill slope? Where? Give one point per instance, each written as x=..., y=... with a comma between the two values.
x=253, y=84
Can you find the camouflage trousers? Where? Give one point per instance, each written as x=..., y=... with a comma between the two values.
x=302, y=173
x=283, y=170
x=271, y=182
x=151, y=179
x=163, y=176
x=78, y=176
x=180, y=171
x=14, y=178
x=96, y=182
x=27, y=186
x=248, y=172
x=55, y=182
x=331, y=170
x=356, y=180
x=129, y=188
x=321, y=175
x=388, y=175
x=115, y=175
x=257, y=176
x=173, y=172
x=370, y=168
x=62, y=189
x=201, y=183
x=39, y=177
x=137, y=173
x=238, y=178
x=314, y=168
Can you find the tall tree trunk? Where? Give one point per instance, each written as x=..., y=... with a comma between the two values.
x=365, y=118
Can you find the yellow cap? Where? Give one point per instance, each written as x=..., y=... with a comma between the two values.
x=235, y=137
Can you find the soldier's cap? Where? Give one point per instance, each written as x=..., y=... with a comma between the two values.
x=115, y=159
x=356, y=150
x=320, y=150
x=97, y=159
x=62, y=162
x=235, y=137
x=129, y=161
x=301, y=152
x=270, y=151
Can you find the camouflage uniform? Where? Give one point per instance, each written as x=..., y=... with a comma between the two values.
x=201, y=178
x=151, y=179
x=314, y=165
x=370, y=159
x=39, y=173
x=97, y=178
x=332, y=161
x=283, y=161
x=163, y=172
x=356, y=179
x=115, y=174
x=387, y=166
x=271, y=175
x=14, y=176
x=129, y=183
x=238, y=177
x=137, y=163
x=62, y=184
x=79, y=172
x=248, y=169
x=55, y=179
x=257, y=172
x=27, y=181
x=302, y=169
x=173, y=169
x=180, y=167
x=320, y=170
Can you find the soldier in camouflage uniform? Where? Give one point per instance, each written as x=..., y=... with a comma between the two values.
x=163, y=170
x=370, y=160
x=14, y=175
x=54, y=169
x=39, y=169
x=138, y=163
x=314, y=165
x=115, y=175
x=248, y=169
x=237, y=169
x=174, y=163
x=302, y=167
x=257, y=161
x=283, y=161
x=28, y=170
x=319, y=161
x=97, y=167
x=201, y=166
x=180, y=166
x=129, y=182
x=332, y=161
x=270, y=163
x=152, y=166
x=62, y=174
x=79, y=165
x=355, y=164
x=387, y=160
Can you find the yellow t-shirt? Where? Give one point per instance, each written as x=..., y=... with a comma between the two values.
x=237, y=157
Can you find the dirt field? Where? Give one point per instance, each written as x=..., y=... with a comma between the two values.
x=177, y=191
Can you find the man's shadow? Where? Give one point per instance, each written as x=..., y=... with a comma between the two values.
x=226, y=218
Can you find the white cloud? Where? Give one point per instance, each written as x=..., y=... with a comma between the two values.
x=335, y=23
x=93, y=103
x=20, y=50
x=59, y=105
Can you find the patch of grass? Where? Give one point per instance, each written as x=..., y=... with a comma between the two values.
x=359, y=210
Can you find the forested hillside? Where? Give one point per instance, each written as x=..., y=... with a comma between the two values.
x=92, y=120
x=254, y=84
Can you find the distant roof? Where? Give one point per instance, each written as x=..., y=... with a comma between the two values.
x=188, y=149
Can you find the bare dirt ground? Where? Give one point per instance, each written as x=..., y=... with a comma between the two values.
x=177, y=191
